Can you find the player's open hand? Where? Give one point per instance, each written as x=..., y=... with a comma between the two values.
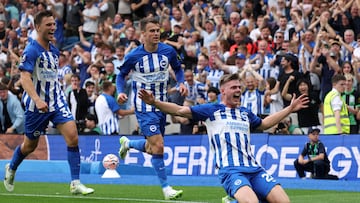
x=299, y=102
x=122, y=98
x=147, y=96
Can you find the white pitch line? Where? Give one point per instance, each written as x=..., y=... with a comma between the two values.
x=95, y=198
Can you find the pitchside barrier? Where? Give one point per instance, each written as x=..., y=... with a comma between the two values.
x=188, y=155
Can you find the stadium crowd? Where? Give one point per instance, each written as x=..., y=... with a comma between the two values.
x=279, y=48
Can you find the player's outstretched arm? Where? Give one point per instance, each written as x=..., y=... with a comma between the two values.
x=166, y=107
x=295, y=105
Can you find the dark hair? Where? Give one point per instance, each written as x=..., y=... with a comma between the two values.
x=336, y=78
x=89, y=83
x=75, y=75
x=272, y=82
x=38, y=18
x=91, y=117
x=146, y=21
x=214, y=90
x=3, y=86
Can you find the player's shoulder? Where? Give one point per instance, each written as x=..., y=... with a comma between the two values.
x=210, y=107
x=165, y=47
x=32, y=47
x=137, y=52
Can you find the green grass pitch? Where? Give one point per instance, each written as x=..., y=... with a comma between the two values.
x=59, y=193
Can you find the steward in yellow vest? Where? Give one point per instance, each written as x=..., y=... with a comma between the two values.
x=336, y=116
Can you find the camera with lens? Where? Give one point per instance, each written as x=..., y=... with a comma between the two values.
x=81, y=125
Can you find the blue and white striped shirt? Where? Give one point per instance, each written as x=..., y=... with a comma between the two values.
x=150, y=73
x=253, y=100
x=195, y=91
x=43, y=65
x=106, y=109
x=229, y=133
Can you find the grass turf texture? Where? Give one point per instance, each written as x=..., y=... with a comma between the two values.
x=59, y=193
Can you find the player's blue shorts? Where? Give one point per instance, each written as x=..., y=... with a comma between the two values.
x=151, y=123
x=233, y=178
x=36, y=122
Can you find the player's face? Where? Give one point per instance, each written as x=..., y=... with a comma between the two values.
x=47, y=29
x=152, y=33
x=231, y=93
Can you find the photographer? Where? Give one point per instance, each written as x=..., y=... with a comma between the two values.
x=286, y=127
x=91, y=127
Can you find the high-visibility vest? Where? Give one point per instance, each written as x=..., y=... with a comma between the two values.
x=329, y=117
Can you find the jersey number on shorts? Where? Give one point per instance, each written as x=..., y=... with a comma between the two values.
x=65, y=112
x=267, y=177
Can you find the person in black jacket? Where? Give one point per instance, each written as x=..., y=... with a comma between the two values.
x=313, y=157
x=78, y=102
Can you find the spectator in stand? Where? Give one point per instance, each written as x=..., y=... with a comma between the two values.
x=266, y=36
x=78, y=100
x=94, y=71
x=108, y=110
x=73, y=18
x=80, y=61
x=124, y=8
x=90, y=91
x=93, y=46
x=107, y=10
x=347, y=68
x=64, y=70
x=253, y=96
x=208, y=30
x=308, y=116
x=336, y=116
x=290, y=67
x=240, y=38
x=214, y=73
x=109, y=73
x=352, y=100
x=278, y=41
x=195, y=95
x=313, y=157
x=264, y=61
x=285, y=27
x=120, y=57
x=348, y=44
x=91, y=15
x=202, y=69
x=12, y=112
x=273, y=96
x=143, y=8
x=323, y=65
x=213, y=95
x=129, y=38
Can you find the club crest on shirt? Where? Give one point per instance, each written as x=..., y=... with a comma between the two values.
x=163, y=63
x=244, y=116
x=153, y=128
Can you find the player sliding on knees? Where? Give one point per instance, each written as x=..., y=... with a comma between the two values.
x=228, y=126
